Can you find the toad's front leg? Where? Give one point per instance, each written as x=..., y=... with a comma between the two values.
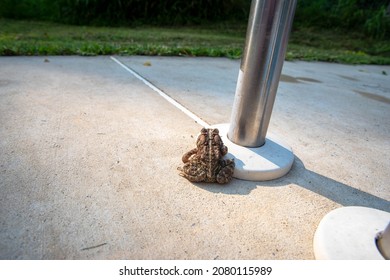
x=187, y=155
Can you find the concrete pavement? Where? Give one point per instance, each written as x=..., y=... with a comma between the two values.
x=88, y=158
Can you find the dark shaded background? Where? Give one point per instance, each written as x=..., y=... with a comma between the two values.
x=367, y=16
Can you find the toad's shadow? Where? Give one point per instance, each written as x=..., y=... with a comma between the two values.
x=310, y=180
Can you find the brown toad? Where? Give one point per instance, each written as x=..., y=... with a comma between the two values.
x=204, y=163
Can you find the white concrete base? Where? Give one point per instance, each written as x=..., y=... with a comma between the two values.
x=270, y=161
x=348, y=233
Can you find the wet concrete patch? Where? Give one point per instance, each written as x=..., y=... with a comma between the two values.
x=373, y=96
x=297, y=80
x=4, y=83
x=309, y=80
x=348, y=78
x=289, y=79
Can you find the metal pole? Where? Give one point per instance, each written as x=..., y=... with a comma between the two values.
x=383, y=242
x=269, y=26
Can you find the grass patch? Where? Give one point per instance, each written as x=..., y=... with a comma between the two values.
x=220, y=40
x=43, y=38
x=337, y=46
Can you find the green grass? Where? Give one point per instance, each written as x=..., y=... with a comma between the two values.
x=42, y=38
x=337, y=46
x=219, y=40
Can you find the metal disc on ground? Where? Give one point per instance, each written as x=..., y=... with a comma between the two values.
x=349, y=233
x=270, y=161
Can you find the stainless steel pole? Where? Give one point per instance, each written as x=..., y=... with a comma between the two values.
x=268, y=30
x=383, y=242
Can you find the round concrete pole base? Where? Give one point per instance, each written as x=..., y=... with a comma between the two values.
x=270, y=161
x=348, y=233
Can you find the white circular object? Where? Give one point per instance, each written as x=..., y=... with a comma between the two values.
x=349, y=233
x=270, y=161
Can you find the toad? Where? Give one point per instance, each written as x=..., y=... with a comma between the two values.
x=205, y=163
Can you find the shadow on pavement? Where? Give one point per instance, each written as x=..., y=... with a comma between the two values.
x=310, y=180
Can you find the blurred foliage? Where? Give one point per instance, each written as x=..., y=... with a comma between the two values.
x=27, y=37
x=125, y=12
x=369, y=17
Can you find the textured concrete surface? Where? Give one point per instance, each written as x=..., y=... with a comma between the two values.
x=88, y=158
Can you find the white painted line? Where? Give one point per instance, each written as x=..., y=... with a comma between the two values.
x=163, y=94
